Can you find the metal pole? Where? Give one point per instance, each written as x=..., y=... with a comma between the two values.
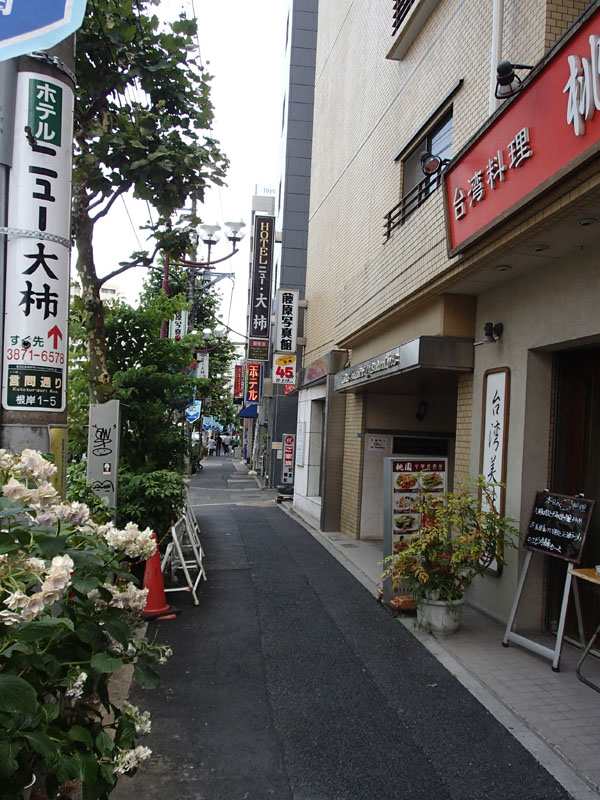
x=35, y=425
x=165, y=288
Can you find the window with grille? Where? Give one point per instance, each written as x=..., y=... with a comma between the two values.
x=416, y=187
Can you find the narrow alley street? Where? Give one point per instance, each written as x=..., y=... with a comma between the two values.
x=289, y=681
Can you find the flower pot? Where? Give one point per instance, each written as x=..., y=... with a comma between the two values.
x=26, y=791
x=439, y=616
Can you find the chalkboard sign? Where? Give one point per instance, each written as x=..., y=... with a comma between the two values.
x=559, y=524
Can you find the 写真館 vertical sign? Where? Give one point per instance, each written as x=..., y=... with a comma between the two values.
x=548, y=129
x=286, y=320
x=178, y=325
x=262, y=266
x=37, y=255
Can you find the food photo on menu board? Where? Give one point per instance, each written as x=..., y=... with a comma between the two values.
x=411, y=479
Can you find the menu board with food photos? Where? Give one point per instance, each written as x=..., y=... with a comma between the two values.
x=410, y=478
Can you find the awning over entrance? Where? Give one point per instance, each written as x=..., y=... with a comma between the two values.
x=426, y=353
x=250, y=412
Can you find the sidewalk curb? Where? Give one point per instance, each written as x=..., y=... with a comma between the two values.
x=548, y=756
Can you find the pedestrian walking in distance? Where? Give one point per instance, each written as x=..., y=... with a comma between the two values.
x=211, y=446
x=226, y=440
x=219, y=444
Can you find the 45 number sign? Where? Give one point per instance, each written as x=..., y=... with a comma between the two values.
x=284, y=369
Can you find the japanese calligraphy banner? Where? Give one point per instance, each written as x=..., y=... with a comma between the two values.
x=262, y=265
x=286, y=320
x=549, y=128
x=35, y=340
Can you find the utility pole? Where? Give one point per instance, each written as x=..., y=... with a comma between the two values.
x=35, y=204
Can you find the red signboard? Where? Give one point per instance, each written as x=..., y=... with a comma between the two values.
x=551, y=127
x=238, y=381
x=288, y=449
x=252, y=383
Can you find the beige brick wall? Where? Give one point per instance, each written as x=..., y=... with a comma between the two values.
x=464, y=413
x=560, y=14
x=367, y=108
x=352, y=464
x=358, y=283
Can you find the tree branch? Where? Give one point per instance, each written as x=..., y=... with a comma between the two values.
x=139, y=262
x=108, y=206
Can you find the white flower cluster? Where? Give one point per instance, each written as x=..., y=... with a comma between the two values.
x=76, y=690
x=131, y=540
x=33, y=468
x=128, y=597
x=23, y=607
x=141, y=719
x=75, y=513
x=130, y=759
x=43, y=495
x=166, y=653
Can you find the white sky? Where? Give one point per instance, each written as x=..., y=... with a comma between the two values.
x=242, y=44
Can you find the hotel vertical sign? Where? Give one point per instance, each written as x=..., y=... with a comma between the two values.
x=38, y=248
x=262, y=266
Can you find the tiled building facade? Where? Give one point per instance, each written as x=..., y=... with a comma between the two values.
x=394, y=321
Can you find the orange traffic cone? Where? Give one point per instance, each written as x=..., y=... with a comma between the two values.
x=156, y=603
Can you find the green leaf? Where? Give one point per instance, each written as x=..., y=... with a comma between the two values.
x=103, y=662
x=119, y=630
x=8, y=760
x=17, y=695
x=145, y=677
x=88, y=767
x=104, y=744
x=85, y=583
x=42, y=744
x=42, y=628
x=78, y=733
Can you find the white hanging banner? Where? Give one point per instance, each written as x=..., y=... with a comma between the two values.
x=178, y=325
x=202, y=360
x=36, y=308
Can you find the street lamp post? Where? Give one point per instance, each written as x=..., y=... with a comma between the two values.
x=233, y=233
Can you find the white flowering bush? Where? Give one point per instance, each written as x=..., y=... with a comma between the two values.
x=69, y=618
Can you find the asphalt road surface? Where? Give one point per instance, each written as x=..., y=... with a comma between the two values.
x=290, y=682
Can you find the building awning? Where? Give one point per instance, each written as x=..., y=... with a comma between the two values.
x=250, y=412
x=426, y=354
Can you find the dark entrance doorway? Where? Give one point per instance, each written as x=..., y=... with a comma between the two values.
x=575, y=470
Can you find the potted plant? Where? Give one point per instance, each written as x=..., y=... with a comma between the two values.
x=460, y=534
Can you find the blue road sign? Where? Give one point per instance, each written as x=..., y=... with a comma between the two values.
x=192, y=413
x=27, y=25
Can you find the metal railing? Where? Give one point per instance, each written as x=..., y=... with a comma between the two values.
x=410, y=202
x=401, y=9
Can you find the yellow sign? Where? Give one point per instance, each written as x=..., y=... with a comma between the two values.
x=283, y=361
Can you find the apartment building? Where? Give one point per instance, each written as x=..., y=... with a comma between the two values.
x=280, y=403
x=452, y=281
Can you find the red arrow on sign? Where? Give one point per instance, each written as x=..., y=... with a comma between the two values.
x=54, y=333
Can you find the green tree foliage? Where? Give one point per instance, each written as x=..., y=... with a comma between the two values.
x=142, y=122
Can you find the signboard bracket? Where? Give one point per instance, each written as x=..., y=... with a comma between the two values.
x=530, y=644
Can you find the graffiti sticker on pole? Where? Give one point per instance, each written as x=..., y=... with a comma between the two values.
x=35, y=341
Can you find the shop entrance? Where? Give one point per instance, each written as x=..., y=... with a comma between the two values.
x=575, y=470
